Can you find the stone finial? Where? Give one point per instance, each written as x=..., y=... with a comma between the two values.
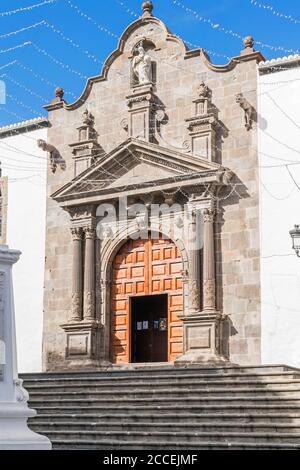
x=59, y=93
x=203, y=90
x=248, y=43
x=87, y=118
x=147, y=8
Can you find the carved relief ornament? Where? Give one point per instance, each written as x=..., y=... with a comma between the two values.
x=209, y=215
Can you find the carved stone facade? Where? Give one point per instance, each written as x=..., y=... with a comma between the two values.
x=169, y=130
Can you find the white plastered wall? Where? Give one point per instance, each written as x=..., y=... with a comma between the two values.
x=26, y=232
x=279, y=144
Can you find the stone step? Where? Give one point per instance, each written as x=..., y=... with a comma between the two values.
x=169, y=370
x=204, y=408
x=136, y=444
x=174, y=437
x=192, y=427
x=167, y=408
x=158, y=399
x=106, y=418
x=127, y=387
x=84, y=393
x=183, y=375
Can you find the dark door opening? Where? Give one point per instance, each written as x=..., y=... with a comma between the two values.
x=149, y=328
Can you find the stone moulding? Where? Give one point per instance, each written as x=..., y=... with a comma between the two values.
x=184, y=169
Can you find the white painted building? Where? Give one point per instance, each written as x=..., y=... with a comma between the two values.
x=23, y=190
x=279, y=122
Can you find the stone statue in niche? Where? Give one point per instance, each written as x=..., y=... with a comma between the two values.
x=142, y=67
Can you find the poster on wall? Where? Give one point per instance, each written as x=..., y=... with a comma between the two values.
x=163, y=324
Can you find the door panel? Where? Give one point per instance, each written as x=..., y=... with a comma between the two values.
x=142, y=268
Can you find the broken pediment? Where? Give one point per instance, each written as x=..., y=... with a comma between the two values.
x=137, y=166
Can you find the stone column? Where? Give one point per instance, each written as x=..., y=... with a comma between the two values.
x=194, y=268
x=14, y=410
x=77, y=274
x=209, y=282
x=201, y=328
x=89, y=275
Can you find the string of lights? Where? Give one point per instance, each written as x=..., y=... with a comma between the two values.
x=281, y=143
x=276, y=197
x=29, y=8
x=218, y=148
x=20, y=103
x=230, y=32
x=292, y=177
x=95, y=23
x=26, y=28
x=17, y=150
x=273, y=11
x=282, y=111
x=40, y=78
x=71, y=42
x=8, y=64
x=56, y=61
x=19, y=46
x=188, y=43
x=23, y=87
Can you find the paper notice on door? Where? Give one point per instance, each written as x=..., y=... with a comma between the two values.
x=139, y=326
x=145, y=325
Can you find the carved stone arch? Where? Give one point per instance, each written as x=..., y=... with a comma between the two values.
x=146, y=43
x=109, y=250
x=111, y=247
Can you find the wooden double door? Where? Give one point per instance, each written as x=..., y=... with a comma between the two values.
x=147, y=297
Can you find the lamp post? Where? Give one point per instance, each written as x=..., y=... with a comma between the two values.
x=295, y=234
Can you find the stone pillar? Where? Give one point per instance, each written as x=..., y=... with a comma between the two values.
x=89, y=275
x=209, y=282
x=76, y=314
x=202, y=327
x=194, y=267
x=14, y=411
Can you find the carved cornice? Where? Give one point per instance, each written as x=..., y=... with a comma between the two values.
x=80, y=213
x=148, y=97
x=200, y=121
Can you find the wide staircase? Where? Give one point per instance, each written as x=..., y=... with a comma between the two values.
x=169, y=408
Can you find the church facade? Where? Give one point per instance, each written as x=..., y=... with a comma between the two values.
x=152, y=229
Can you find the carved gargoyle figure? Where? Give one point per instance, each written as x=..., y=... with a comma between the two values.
x=248, y=109
x=55, y=158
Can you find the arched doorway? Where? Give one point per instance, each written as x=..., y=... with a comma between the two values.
x=147, y=297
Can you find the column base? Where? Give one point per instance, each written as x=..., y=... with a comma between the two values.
x=82, y=341
x=202, y=340
x=14, y=432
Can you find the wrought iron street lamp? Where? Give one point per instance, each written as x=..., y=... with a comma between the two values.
x=295, y=234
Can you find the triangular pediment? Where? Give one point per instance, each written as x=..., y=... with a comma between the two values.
x=134, y=164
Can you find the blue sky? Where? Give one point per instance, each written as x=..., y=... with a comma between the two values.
x=30, y=79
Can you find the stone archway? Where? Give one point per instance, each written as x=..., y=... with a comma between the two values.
x=145, y=268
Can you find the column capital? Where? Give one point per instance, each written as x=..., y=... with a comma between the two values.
x=89, y=232
x=209, y=215
x=77, y=233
